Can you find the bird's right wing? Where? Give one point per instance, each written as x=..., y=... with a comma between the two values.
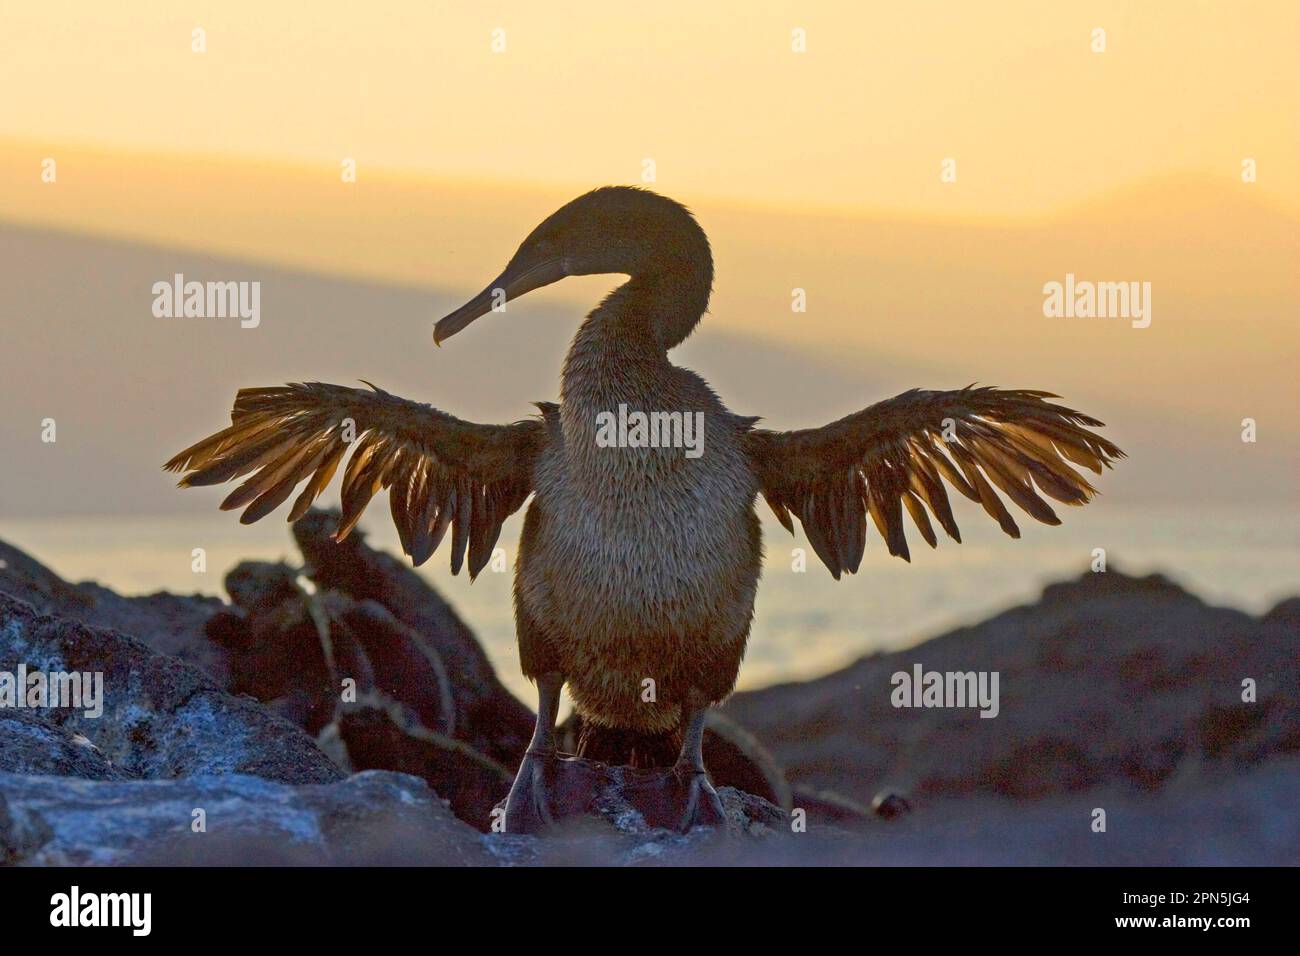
x=441, y=472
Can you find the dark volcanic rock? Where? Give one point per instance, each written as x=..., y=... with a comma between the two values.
x=735, y=758
x=402, y=664
x=385, y=818
x=379, y=734
x=161, y=717
x=368, y=818
x=1115, y=692
x=488, y=717
x=371, y=660
x=358, y=658
x=294, y=650
x=277, y=646
x=1108, y=680
x=889, y=805
x=375, y=691
x=171, y=624
x=33, y=744
x=828, y=806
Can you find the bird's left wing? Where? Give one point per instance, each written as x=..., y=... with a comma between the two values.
x=441, y=472
x=898, y=453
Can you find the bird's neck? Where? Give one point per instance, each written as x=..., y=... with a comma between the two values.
x=627, y=337
x=620, y=353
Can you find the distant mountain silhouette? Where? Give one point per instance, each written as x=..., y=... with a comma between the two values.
x=892, y=304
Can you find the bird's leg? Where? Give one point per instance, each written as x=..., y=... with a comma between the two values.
x=528, y=806
x=703, y=808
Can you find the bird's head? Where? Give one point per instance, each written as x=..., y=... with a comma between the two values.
x=619, y=230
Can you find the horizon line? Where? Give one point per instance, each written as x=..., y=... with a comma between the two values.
x=393, y=175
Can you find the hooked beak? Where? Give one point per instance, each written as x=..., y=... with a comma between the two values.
x=511, y=284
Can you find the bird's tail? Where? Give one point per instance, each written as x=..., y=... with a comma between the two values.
x=628, y=748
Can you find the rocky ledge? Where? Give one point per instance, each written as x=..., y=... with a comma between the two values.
x=339, y=712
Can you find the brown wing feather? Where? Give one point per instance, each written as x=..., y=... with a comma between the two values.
x=896, y=455
x=440, y=471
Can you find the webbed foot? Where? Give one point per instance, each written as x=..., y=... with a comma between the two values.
x=528, y=808
x=701, y=806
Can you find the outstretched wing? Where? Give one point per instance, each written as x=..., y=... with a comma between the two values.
x=897, y=454
x=440, y=472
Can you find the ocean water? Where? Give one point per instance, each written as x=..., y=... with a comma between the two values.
x=806, y=623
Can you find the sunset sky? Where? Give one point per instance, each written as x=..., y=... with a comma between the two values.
x=817, y=170
x=585, y=91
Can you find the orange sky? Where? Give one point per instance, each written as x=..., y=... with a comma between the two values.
x=585, y=92
x=816, y=170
